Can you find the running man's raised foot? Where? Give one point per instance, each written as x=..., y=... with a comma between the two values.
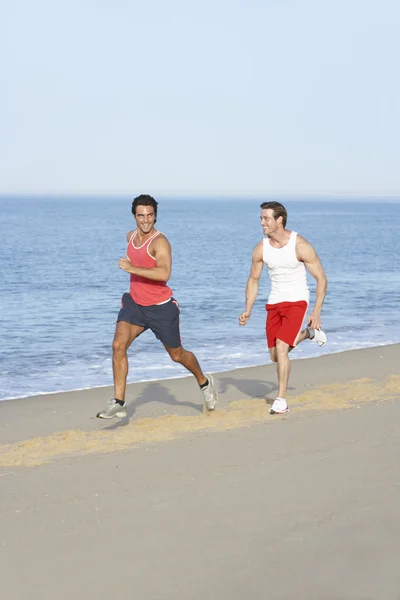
x=114, y=409
x=210, y=394
x=318, y=336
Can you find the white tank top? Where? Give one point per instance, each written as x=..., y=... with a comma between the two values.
x=287, y=274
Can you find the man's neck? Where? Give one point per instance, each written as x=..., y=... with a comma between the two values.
x=280, y=237
x=143, y=237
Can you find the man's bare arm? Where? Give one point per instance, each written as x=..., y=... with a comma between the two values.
x=252, y=282
x=129, y=235
x=163, y=257
x=306, y=254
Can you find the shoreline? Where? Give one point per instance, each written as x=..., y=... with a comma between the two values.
x=324, y=377
x=186, y=375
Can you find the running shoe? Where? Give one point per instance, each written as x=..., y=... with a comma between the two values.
x=113, y=410
x=318, y=336
x=210, y=394
x=279, y=407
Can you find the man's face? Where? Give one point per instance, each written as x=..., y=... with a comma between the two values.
x=268, y=222
x=145, y=218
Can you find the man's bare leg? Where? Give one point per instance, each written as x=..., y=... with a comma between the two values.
x=303, y=335
x=206, y=382
x=124, y=335
x=283, y=366
x=280, y=355
x=189, y=361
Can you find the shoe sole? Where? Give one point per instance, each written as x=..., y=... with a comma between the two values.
x=119, y=415
x=278, y=412
x=211, y=379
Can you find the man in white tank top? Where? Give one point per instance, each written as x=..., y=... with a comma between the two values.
x=287, y=255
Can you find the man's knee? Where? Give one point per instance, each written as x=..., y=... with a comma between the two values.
x=272, y=353
x=176, y=354
x=282, y=348
x=119, y=346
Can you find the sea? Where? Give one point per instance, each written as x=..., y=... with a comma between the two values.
x=61, y=287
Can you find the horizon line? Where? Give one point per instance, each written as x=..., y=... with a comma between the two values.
x=208, y=196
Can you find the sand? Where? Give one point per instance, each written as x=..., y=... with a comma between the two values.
x=178, y=504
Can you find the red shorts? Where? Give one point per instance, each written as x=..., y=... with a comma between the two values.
x=284, y=321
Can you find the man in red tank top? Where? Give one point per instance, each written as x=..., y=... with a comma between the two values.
x=149, y=305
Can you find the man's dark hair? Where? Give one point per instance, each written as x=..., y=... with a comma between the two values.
x=144, y=200
x=279, y=210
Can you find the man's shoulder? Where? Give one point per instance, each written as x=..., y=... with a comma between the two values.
x=161, y=237
x=130, y=234
x=160, y=241
x=304, y=249
x=300, y=239
x=258, y=250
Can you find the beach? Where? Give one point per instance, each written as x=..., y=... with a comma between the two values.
x=178, y=504
x=204, y=161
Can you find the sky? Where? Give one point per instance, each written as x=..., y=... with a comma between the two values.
x=213, y=97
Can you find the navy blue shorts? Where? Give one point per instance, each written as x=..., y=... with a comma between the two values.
x=162, y=319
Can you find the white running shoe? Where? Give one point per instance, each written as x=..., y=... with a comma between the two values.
x=279, y=407
x=210, y=394
x=319, y=337
x=113, y=410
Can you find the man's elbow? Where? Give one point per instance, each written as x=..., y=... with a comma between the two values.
x=323, y=282
x=166, y=274
x=253, y=280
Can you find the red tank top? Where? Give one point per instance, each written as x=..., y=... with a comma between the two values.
x=146, y=292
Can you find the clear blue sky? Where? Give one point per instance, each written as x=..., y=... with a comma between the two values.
x=208, y=97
